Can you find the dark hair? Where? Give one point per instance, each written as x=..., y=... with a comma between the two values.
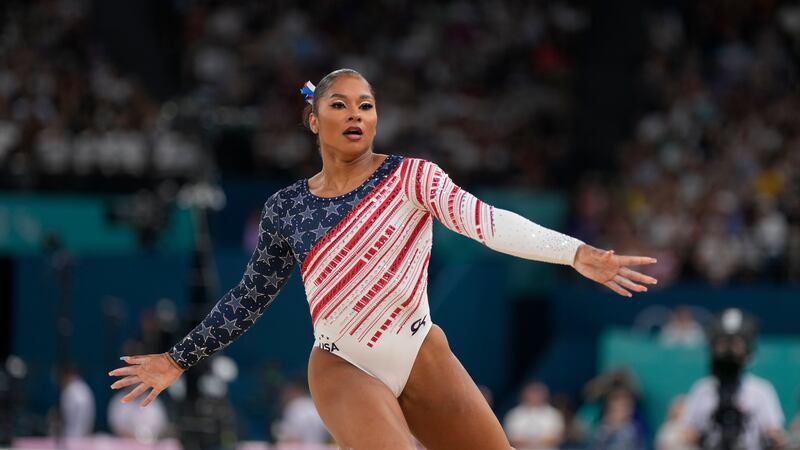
x=323, y=86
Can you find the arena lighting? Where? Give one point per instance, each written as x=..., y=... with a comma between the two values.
x=177, y=390
x=212, y=386
x=16, y=367
x=225, y=368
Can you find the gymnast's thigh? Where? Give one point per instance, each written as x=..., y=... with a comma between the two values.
x=360, y=411
x=443, y=406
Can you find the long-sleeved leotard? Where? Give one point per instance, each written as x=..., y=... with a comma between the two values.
x=363, y=258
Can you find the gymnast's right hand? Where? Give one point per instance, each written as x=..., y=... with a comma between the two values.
x=145, y=372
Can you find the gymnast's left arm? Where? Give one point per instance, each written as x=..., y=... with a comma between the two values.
x=510, y=233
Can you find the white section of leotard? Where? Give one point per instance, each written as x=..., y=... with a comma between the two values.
x=518, y=236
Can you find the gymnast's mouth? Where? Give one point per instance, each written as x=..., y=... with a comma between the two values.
x=353, y=131
x=353, y=134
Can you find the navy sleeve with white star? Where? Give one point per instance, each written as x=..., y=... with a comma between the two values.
x=268, y=270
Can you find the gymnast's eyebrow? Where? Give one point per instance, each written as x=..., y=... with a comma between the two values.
x=362, y=97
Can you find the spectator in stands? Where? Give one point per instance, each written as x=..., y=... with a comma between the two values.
x=77, y=407
x=300, y=422
x=670, y=435
x=617, y=429
x=682, y=329
x=575, y=429
x=534, y=424
x=613, y=380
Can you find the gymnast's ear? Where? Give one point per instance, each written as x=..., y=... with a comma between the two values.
x=312, y=123
x=310, y=120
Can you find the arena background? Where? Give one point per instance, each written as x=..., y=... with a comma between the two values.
x=139, y=140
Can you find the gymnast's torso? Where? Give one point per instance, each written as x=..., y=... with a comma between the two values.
x=363, y=257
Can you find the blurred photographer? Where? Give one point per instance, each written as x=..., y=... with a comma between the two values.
x=731, y=409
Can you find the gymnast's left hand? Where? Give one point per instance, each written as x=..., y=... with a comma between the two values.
x=155, y=372
x=612, y=271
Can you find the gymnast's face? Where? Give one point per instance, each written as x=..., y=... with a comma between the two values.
x=346, y=119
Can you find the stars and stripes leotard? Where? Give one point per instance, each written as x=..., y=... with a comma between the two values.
x=363, y=257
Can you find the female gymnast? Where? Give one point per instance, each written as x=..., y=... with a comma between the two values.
x=380, y=371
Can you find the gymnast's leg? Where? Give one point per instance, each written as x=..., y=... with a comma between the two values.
x=360, y=411
x=443, y=406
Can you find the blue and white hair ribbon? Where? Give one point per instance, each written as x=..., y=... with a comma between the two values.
x=308, y=91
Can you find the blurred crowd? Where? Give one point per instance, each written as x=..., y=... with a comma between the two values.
x=477, y=87
x=69, y=119
x=709, y=179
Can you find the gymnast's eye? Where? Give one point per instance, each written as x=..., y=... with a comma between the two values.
x=366, y=106
x=338, y=105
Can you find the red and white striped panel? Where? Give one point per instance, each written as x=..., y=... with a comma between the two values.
x=433, y=190
x=368, y=275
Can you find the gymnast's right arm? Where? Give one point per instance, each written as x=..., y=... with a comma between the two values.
x=268, y=270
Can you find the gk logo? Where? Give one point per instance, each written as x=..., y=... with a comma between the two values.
x=419, y=323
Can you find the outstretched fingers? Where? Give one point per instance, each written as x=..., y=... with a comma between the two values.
x=628, y=284
x=624, y=260
x=123, y=371
x=136, y=392
x=127, y=381
x=134, y=363
x=152, y=396
x=617, y=288
x=637, y=276
x=609, y=269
